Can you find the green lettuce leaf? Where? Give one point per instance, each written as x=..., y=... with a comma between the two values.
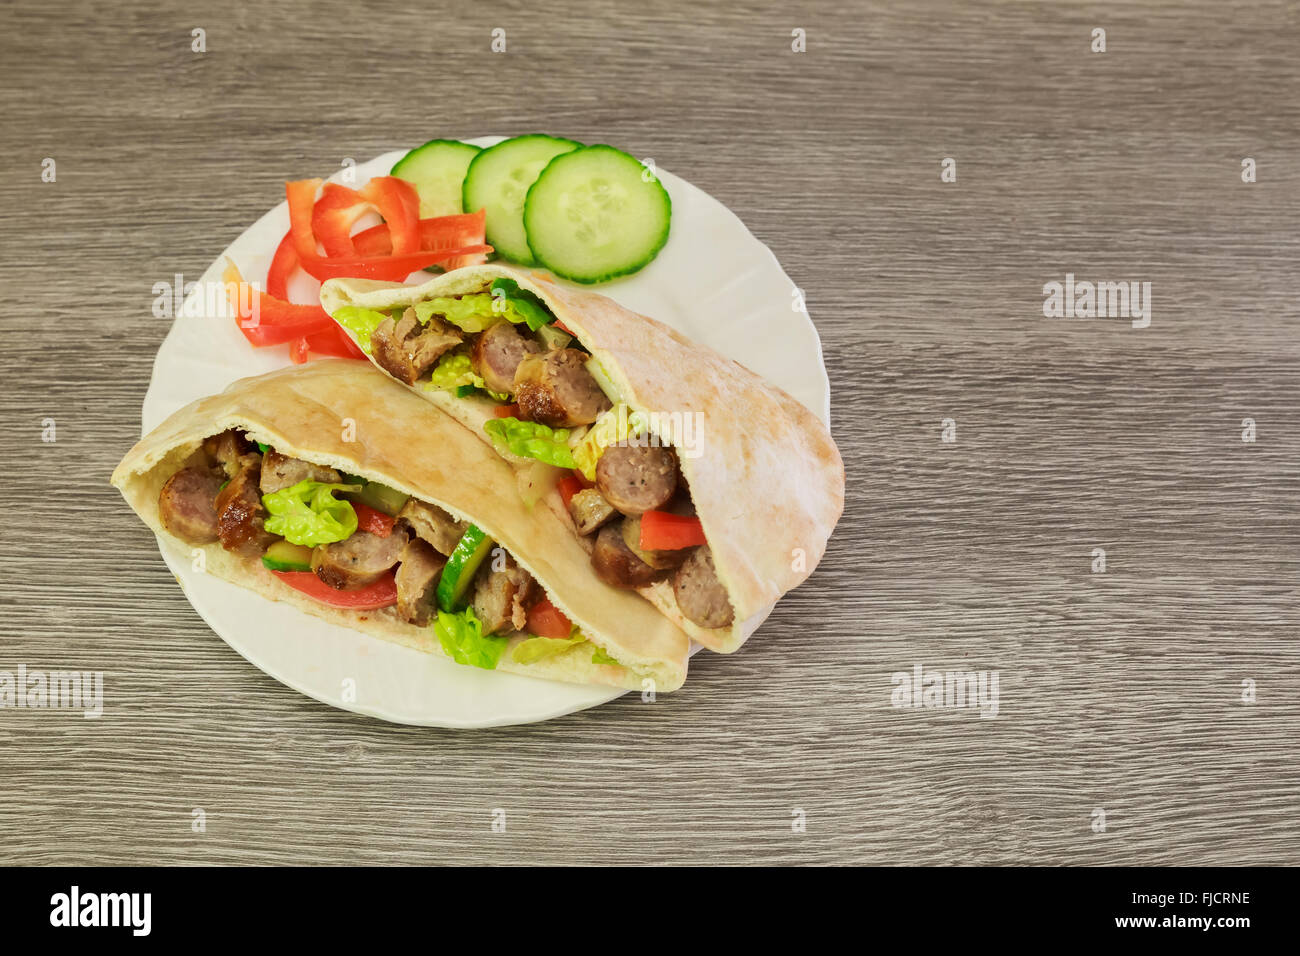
x=360, y=322
x=453, y=370
x=523, y=302
x=308, y=513
x=598, y=656
x=461, y=636
x=532, y=440
x=536, y=648
x=472, y=313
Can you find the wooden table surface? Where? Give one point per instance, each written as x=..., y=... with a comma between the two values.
x=1120, y=692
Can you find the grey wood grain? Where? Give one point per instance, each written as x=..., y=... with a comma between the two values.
x=1120, y=691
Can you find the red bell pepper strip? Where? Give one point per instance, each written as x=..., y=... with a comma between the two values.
x=391, y=268
x=547, y=620
x=569, y=486
x=439, y=232
x=399, y=204
x=268, y=320
x=334, y=341
x=383, y=593
x=662, y=531
x=376, y=522
x=333, y=217
x=283, y=265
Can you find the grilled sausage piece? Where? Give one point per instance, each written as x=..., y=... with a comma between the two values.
x=700, y=595
x=501, y=598
x=281, y=471
x=432, y=524
x=556, y=389
x=659, y=560
x=187, y=506
x=497, y=353
x=589, y=510
x=417, y=576
x=405, y=349
x=239, y=510
x=358, y=560
x=227, y=449
x=616, y=564
x=637, y=478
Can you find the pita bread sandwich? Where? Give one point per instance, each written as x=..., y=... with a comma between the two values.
x=334, y=488
x=685, y=476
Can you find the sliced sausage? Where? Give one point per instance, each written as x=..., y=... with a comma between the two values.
x=501, y=597
x=497, y=353
x=432, y=524
x=659, y=560
x=227, y=449
x=281, y=471
x=700, y=595
x=589, y=510
x=637, y=478
x=418, y=572
x=615, y=563
x=556, y=389
x=187, y=505
x=358, y=560
x=405, y=350
x=239, y=510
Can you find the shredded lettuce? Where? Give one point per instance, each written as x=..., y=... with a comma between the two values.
x=453, y=370
x=308, y=513
x=461, y=636
x=521, y=301
x=471, y=313
x=532, y=440
x=360, y=322
x=598, y=656
x=537, y=648
x=617, y=425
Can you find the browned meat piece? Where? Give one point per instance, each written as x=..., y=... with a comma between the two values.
x=239, y=510
x=589, y=510
x=418, y=572
x=227, y=449
x=358, y=560
x=637, y=478
x=616, y=563
x=406, y=350
x=187, y=506
x=700, y=595
x=281, y=471
x=501, y=598
x=497, y=353
x=659, y=560
x=432, y=524
x=556, y=389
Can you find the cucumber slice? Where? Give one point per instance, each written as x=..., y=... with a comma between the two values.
x=284, y=556
x=381, y=498
x=437, y=171
x=498, y=179
x=591, y=215
x=458, y=573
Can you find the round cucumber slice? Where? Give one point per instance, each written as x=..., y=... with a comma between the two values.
x=498, y=179
x=458, y=572
x=437, y=171
x=596, y=213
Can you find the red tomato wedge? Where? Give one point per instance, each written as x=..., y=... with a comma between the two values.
x=506, y=411
x=569, y=486
x=376, y=522
x=547, y=620
x=661, y=531
x=383, y=593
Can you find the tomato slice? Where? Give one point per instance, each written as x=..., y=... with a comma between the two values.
x=383, y=593
x=661, y=531
x=372, y=520
x=569, y=486
x=506, y=411
x=547, y=620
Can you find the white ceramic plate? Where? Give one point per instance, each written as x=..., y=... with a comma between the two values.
x=713, y=281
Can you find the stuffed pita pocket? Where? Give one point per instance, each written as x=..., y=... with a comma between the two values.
x=686, y=476
x=306, y=485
